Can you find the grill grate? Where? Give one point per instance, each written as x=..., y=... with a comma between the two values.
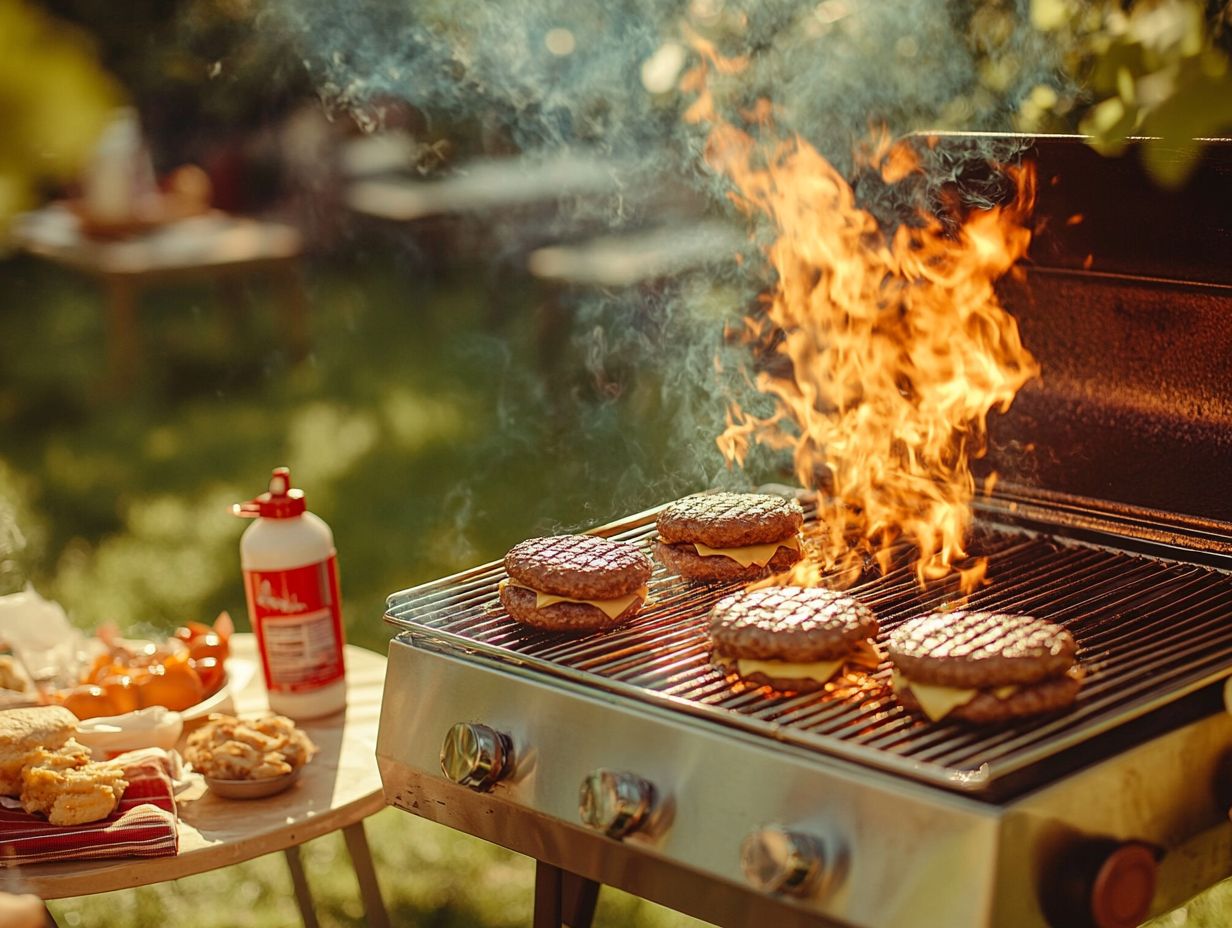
x=1148, y=633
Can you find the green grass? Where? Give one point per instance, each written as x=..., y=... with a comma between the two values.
x=426, y=428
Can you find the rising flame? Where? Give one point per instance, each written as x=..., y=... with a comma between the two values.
x=898, y=347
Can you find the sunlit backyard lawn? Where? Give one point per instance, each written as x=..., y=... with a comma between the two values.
x=428, y=429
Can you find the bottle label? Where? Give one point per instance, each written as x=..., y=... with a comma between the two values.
x=297, y=617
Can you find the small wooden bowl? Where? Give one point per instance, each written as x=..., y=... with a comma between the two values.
x=252, y=789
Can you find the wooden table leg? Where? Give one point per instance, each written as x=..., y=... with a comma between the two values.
x=303, y=895
x=365, y=873
x=548, y=882
x=294, y=309
x=122, y=339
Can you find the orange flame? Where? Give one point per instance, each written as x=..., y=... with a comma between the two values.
x=898, y=348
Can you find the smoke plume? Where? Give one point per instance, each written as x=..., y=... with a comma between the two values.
x=603, y=78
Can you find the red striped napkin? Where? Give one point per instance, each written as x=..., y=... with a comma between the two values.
x=143, y=824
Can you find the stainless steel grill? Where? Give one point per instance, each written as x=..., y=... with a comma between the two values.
x=1112, y=517
x=1148, y=631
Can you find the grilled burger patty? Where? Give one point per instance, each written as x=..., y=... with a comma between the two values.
x=987, y=707
x=983, y=667
x=519, y=602
x=726, y=521
x=578, y=566
x=684, y=560
x=979, y=649
x=789, y=623
x=730, y=520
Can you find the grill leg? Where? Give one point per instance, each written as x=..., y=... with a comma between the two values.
x=303, y=896
x=548, y=880
x=580, y=897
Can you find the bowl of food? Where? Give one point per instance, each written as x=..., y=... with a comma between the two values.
x=189, y=672
x=248, y=758
x=252, y=789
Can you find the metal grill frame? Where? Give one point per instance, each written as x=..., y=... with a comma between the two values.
x=455, y=615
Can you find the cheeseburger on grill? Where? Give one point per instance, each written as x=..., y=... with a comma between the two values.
x=790, y=637
x=729, y=536
x=983, y=667
x=574, y=582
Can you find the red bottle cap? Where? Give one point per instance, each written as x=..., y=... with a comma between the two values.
x=281, y=502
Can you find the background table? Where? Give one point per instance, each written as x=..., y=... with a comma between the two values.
x=337, y=790
x=214, y=246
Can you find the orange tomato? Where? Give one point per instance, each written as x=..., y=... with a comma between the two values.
x=102, y=666
x=88, y=702
x=174, y=685
x=187, y=633
x=121, y=689
x=209, y=645
x=211, y=672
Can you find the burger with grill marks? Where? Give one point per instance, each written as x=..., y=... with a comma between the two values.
x=574, y=582
x=791, y=638
x=983, y=667
x=729, y=536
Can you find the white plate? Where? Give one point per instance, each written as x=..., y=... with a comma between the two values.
x=239, y=672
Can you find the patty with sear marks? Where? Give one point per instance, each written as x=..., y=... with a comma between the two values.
x=578, y=566
x=974, y=650
x=560, y=617
x=787, y=623
x=684, y=560
x=730, y=520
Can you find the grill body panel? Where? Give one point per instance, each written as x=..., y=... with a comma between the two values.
x=905, y=853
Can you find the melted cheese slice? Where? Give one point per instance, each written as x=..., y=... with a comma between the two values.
x=821, y=671
x=609, y=607
x=863, y=654
x=939, y=701
x=749, y=554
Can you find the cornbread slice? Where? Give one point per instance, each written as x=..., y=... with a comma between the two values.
x=69, y=788
x=23, y=732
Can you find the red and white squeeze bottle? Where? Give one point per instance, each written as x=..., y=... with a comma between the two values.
x=291, y=583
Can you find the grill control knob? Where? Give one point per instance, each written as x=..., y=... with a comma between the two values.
x=1101, y=883
x=775, y=860
x=476, y=755
x=615, y=803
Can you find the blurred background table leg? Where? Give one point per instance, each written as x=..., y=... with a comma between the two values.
x=122, y=336
x=294, y=305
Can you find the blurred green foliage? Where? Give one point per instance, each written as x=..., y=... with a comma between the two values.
x=1153, y=69
x=54, y=101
